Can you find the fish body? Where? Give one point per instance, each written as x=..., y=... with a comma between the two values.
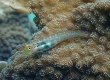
x=43, y=45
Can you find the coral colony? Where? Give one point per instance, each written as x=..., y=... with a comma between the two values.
x=74, y=58
x=14, y=30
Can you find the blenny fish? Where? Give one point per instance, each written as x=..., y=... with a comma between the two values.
x=43, y=45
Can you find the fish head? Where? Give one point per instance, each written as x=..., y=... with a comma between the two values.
x=28, y=48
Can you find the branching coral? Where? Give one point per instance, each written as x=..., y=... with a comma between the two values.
x=73, y=59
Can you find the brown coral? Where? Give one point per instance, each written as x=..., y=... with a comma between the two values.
x=73, y=59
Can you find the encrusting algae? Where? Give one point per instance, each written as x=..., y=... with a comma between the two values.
x=72, y=59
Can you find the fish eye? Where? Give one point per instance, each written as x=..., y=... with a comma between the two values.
x=29, y=48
